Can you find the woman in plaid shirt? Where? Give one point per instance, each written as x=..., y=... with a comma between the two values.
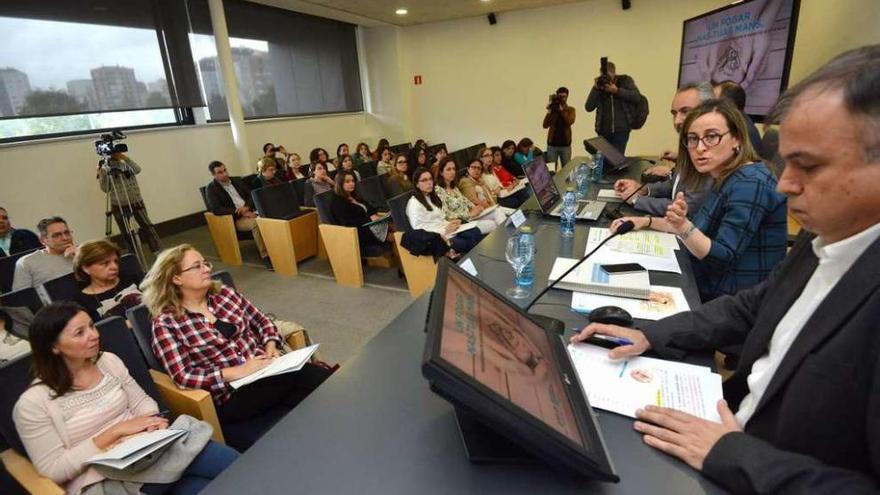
x=206, y=335
x=740, y=232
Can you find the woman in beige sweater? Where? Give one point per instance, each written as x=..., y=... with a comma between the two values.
x=84, y=401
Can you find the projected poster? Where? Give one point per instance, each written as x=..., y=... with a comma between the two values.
x=749, y=43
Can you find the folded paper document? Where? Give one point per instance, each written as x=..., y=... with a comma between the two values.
x=288, y=363
x=136, y=447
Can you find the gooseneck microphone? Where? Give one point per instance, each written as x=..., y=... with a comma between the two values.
x=624, y=227
x=646, y=179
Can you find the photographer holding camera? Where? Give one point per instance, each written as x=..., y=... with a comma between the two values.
x=558, y=121
x=612, y=96
x=117, y=177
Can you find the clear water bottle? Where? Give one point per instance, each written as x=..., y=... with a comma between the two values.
x=527, y=243
x=583, y=180
x=569, y=212
x=598, y=166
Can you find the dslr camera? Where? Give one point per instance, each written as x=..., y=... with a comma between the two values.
x=107, y=145
x=555, y=101
x=604, y=78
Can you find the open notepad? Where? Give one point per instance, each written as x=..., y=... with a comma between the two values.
x=462, y=228
x=591, y=278
x=507, y=192
x=136, y=447
x=625, y=385
x=288, y=363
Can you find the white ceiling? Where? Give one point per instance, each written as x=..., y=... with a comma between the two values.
x=379, y=12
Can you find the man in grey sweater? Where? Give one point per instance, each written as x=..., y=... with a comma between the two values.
x=54, y=261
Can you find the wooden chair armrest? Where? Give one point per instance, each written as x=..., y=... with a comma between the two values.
x=20, y=468
x=194, y=402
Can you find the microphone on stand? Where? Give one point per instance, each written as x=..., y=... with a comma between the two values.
x=646, y=179
x=622, y=229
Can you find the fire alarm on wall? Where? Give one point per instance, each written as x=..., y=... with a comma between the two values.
x=417, y=80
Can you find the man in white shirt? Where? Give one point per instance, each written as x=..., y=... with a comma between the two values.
x=806, y=394
x=55, y=260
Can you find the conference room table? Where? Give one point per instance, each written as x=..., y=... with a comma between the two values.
x=375, y=427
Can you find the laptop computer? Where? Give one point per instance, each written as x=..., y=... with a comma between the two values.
x=548, y=195
x=614, y=159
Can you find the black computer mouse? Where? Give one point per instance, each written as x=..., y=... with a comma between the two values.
x=611, y=315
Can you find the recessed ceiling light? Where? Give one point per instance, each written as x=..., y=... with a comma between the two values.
x=401, y=11
x=485, y=1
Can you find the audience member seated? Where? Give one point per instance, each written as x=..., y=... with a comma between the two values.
x=293, y=168
x=362, y=154
x=439, y=155
x=320, y=180
x=108, y=292
x=341, y=150
x=268, y=174
x=456, y=206
x=740, y=233
x=11, y=345
x=472, y=186
x=83, y=401
x=319, y=155
x=421, y=144
x=417, y=158
x=525, y=152
x=800, y=413
x=386, y=161
x=655, y=198
x=53, y=261
x=399, y=179
x=508, y=151
x=737, y=95
x=206, y=335
x=15, y=240
x=346, y=162
x=350, y=211
x=271, y=155
x=501, y=183
x=425, y=212
x=383, y=143
x=231, y=196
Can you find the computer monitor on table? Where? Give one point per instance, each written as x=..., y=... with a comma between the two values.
x=614, y=159
x=498, y=365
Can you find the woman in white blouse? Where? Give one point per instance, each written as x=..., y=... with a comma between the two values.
x=425, y=212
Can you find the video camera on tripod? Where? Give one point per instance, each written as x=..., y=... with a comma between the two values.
x=106, y=146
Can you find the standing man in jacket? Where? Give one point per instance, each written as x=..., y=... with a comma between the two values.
x=558, y=121
x=610, y=96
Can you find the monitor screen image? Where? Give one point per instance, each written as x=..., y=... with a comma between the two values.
x=542, y=183
x=749, y=43
x=505, y=352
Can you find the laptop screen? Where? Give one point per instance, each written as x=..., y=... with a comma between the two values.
x=542, y=183
x=612, y=154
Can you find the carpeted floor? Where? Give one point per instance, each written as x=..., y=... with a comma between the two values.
x=341, y=319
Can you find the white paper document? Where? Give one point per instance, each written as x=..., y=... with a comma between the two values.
x=507, y=192
x=662, y=302
x=288, y=363
x=662, y=257
x=625, y=385
x=136, y=448
x=468, y=266
x=462, y=228
x=591, y=278
x=608, y=195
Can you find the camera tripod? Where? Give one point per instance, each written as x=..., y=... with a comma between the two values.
x=119, y=205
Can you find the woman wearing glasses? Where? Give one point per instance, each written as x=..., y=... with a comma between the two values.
x=425, y=212
x=501, y=183
x=207, y=335
x=456, y=206
x=398, y=179
x=740, y=232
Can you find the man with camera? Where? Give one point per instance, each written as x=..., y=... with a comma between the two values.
x=117, y=177
x=558, y=121
x=611, y=96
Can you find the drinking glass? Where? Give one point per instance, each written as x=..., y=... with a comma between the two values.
x=518, y=259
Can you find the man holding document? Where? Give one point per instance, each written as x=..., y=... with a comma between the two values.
x=802, y=413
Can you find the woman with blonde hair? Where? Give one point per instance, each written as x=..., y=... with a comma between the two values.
x=109, y=292
x=740, y=232
x=207, y=335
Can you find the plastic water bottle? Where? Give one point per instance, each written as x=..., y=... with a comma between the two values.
x=527, y=243
x=598, y=166
x=569, y=212
x=583, y=180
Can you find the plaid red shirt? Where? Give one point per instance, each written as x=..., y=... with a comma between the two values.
x=194, y=352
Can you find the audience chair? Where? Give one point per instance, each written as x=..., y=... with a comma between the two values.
x=343, y=247
x=299, y=185
x=251, y=181
x=22, y=298
x=224, y=277
x=400, y=148
x=372, y=190
x=367, y=169
x=129, y=265
x=304, y=170
x=420, y=271
x=308, y=195
x=433, y=149
x=63, y=288
x=7, y=269
x=223, y=233
x=289, y=233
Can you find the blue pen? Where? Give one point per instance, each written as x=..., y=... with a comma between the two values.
x=615, y=340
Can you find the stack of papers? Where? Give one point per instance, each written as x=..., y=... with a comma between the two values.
x=136, y=447
x=625, y=385
x=288, y=363
x=505, y=192
x=662, y=302
x=652, y=250
x=591, y=278
x=608, y=195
